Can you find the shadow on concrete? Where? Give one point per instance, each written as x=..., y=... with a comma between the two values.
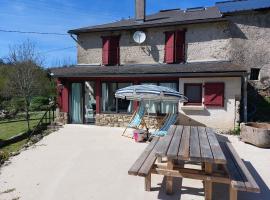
x=178, y=190
x=188, y=121
x=222, y=138
x=265, y=192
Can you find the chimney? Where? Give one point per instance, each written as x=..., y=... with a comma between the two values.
x=140, y=10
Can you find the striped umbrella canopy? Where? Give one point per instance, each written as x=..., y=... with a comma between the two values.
x=150, y=93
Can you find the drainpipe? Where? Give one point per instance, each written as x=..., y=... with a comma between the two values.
x=245, y=97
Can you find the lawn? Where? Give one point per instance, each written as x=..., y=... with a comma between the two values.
x=21, y=116
x=15, y=147
x=8, y=130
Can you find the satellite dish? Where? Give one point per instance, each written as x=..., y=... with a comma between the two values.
x=139, y=37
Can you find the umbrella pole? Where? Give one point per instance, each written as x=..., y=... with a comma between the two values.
x=147, y=129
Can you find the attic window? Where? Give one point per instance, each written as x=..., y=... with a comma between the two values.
x=254, y=73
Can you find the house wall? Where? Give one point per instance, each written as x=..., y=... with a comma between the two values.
x=244, y=39
x=222, y=118
x=204, y=42
x=250, y=42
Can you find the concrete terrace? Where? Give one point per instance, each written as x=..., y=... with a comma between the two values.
x=89, y=162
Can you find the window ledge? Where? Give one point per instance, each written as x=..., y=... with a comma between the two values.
x=193, y=108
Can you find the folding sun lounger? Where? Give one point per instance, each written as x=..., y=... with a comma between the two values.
x=170, y=120
x=136, y=120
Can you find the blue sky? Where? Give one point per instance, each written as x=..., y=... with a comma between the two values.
x=59, y=16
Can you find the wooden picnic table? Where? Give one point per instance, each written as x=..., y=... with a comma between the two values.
x=185, y=143
x=218, y=161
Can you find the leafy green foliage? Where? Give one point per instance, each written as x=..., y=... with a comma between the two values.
x=258, y=105
x=4, y=156
x=3, y=78
x=235, y=131
x=23, y=80
x=39, y=103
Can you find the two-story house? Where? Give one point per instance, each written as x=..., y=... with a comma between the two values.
x=205, y=53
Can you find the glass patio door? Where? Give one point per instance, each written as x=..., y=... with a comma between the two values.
x=90, y=102
x=76, y=104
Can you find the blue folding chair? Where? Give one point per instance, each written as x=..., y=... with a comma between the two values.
x=170, y=120
x=136, y=119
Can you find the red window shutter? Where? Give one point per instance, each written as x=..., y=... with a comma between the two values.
x=169, y=47
x=105, y=51
x=114, y=52
x=214, y=94
x=180, y=46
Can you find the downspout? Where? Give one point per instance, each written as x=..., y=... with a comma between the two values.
x=245, y=97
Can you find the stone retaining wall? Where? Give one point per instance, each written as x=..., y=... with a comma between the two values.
x=122, y=120
x=61, y=117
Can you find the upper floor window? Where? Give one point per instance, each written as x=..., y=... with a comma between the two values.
x=111, y=50
x=174, y=47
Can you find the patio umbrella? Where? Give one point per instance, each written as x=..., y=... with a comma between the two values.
x=150, y=93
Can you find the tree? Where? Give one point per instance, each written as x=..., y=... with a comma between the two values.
x=24, y=74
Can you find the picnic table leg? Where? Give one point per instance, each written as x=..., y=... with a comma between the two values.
x=233, y=194
x=147, y=183
x=208, y=184
x=169, y=179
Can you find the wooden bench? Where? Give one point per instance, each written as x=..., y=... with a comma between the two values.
x=241, y=179
x=144, y=164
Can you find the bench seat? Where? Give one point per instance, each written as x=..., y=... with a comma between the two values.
x=241, y=179
x=143, y=165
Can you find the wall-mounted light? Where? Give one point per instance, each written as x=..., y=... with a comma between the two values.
x=60, y=87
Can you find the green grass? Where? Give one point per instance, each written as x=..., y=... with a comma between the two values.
x=21, y=116
x=8, y=130
x=15, y=147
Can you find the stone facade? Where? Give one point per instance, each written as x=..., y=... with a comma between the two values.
x=204, y=42
x=122, y=120
x=250, y=41
x=61, y=117
x=244, y=39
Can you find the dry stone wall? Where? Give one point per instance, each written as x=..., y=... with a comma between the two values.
x=122, y=120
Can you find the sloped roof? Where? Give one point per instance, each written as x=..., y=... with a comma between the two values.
x=177, y=16
x=162, y=18
x=148, y=70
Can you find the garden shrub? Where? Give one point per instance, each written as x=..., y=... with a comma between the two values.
x=4, y=156
x=39, y=103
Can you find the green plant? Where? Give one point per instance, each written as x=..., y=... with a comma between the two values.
x=39, y=103
x=235, y=131
x=4, y=156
